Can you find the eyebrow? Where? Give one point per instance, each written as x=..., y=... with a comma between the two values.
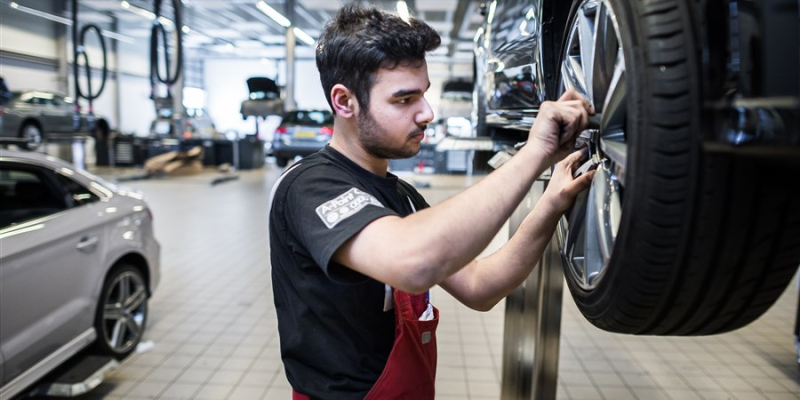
x=409, y=92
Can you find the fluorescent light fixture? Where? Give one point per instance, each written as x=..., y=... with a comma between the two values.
x=492, y=9
x=478, y=35
x=146, y=14
x=186, y=29
x=402, y=11
x=274, y=15
x=42, y=14
x=303, y=36
x=67, y=22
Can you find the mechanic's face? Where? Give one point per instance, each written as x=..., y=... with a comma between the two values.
x=394, y=125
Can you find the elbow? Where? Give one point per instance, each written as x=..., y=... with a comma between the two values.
x=417, y=282
x=483, y=306
x=417, y=277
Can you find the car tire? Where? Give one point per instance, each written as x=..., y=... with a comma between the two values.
x=31, y=132
x=122, y=312
x=282, y=161
x=670, y=239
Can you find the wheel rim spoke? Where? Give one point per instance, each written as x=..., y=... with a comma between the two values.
x=586, y=38
x=132, y=327
x=605, y=50
x=615, y=103
x=117, y=334
x=112, y=312
x=573, y=246
x=135, y=300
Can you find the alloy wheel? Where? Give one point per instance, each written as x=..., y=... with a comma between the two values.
x=124, y=312
x=594, y=65
x=33, y=135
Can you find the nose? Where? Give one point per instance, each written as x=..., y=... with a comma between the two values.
x=425, y=116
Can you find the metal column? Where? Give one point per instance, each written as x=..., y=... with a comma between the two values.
x=289, y=102
x=533, y=320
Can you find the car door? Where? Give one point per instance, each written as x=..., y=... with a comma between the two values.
x=62, y=114
x=48, y=266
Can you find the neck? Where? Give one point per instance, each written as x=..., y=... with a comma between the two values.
x=345, y=141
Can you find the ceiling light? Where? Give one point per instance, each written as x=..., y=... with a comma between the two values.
x=67, y=22
x=276, y=16
x=303, y=36
x=402, y=11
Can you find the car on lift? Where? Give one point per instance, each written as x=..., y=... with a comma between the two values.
x=691, y=224
x=301, y=133
x=39, y=115
x=78, y=265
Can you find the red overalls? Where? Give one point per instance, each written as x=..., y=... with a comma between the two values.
x=410, y=371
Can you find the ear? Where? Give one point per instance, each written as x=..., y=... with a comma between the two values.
x=344, y=101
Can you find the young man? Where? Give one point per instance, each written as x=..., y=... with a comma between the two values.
x=354, y=249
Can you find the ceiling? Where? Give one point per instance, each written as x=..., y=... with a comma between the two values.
x=237, y=28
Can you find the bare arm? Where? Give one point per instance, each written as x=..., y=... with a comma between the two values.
x=483, y=283
x=423, y=249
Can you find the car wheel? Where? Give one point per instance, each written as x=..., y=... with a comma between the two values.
x=282, y=161
x=670, y=239
x=32, y=134
x=121, y=312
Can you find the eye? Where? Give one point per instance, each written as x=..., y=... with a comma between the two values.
x=404, y=100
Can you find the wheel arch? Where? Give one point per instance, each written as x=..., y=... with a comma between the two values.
x=137, y=261
x=30, y=121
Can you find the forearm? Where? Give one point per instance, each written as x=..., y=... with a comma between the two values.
x=421, y=250
x=463, y=225
x=488, y=280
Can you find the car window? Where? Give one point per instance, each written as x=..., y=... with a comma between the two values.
x=25, y=195
x=318, y=118
x=80, y=194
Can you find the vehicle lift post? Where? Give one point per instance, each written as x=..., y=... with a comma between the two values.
x=533, y=319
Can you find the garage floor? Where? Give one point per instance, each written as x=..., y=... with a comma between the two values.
x=213, y=329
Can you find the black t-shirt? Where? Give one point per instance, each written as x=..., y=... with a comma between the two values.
x=335, y=335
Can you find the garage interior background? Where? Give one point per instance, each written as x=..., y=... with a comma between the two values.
x=226, y=42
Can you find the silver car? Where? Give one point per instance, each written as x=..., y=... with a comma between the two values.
x=37, y=115
x=77, y=266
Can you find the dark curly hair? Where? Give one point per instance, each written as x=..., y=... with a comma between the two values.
x=359, y=41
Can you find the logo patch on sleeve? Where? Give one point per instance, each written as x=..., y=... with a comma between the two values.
x=345, y=206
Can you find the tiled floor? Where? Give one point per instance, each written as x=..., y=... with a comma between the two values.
x=213, y=329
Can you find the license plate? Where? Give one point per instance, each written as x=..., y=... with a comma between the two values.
x=305, y=134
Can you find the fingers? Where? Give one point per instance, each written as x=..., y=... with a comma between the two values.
x=573, y=94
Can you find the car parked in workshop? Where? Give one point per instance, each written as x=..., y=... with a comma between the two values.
x=39, y=115
x=690, y=226
x=301, y=133
x=78, y=265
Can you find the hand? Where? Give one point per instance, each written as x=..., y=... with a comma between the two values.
x=563, y=188
x=558, y=124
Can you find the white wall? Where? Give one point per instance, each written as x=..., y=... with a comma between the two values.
x=28, y=34
x=226, y=88
x=137, y=110
x=22, y=78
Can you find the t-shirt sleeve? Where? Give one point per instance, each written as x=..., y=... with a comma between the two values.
x=324, y=211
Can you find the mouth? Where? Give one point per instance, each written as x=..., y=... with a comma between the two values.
x=417, y=134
